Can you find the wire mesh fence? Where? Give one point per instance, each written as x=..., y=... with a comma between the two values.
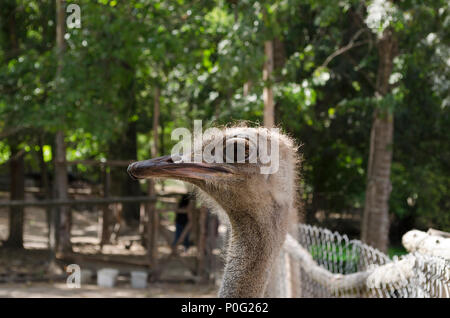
x=412, y=275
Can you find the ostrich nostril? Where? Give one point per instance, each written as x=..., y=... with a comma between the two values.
x=175, y=158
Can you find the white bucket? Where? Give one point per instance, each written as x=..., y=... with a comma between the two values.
x=139, y=279
x=106, y=277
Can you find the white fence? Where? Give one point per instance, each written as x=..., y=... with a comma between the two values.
x=332, y=265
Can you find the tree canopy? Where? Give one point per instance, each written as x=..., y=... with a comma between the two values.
x=207, y=59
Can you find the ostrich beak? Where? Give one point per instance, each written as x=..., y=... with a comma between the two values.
x=165, y=167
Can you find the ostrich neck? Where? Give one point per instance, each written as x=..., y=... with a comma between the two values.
x=254, y=244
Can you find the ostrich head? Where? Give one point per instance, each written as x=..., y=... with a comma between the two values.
x=259, y=201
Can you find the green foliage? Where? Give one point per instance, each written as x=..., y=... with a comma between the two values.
x=201, y=53
x=343, y=256
x=396, y=251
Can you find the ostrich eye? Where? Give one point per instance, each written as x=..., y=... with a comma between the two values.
x=236, y=150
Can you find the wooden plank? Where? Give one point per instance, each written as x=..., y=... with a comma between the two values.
x=101, y=258
x=4, y=279
x=105, y=221
x=152, y=227
x=109, y=163
x=92, y=201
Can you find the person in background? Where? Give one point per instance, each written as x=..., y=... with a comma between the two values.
x=181, y=220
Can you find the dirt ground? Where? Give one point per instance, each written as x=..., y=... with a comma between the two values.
x=23, y=274
x=58, y=290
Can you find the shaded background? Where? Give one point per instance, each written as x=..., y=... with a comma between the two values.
x=204, y=60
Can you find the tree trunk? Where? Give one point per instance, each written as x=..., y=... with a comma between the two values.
x=269, y=113
x=279, y=56
x=15, y=238
x=247, y=88
x=375, y=223
x=125, y=148
x=61, y=183
x=128, y=187
x=156, y=107
x=45, y=183
x=279, y=60
x=16, y=215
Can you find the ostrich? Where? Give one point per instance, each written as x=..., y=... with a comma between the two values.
x=261, y=209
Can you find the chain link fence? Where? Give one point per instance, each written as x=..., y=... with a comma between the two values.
x=354, y=269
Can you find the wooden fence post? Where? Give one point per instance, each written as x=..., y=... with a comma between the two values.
x=105, y=220
x=152, y=230
x=16, y=214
